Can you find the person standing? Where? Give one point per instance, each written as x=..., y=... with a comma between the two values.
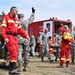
x=65, y=47
x=44, y=45
x=57, y=43
x=10, y=27
x=1, y=40
x=73, y=47
x=73, y=52
x=24, y=43
x=60, y=29
x=38, y=44
x=51, y=46
x=32, y=44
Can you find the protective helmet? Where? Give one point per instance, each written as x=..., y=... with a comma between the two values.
x=66, y=27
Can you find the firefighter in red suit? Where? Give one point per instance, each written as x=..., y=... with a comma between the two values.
x=60, y=29
x=10, y=28
x=51, y=44
x=65, y=47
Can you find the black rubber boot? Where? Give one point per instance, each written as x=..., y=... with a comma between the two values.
x=50, y=60
x=25, y=67
x=56, y=59
x=12, y=70
x=42, y=60
x=72, y=58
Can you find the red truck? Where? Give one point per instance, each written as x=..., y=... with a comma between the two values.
x=52, y=24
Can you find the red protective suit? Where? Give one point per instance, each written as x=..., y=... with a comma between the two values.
x=65, y=49
x=10, y=28
x=50, y=48
x=60, y=29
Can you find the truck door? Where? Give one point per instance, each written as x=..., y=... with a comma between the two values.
x=48, y=24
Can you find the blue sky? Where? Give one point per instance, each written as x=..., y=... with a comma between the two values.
x=62, y=9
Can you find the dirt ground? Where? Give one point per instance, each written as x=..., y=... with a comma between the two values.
x=36, y=67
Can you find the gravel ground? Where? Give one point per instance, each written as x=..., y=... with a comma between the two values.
x=36, y=67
